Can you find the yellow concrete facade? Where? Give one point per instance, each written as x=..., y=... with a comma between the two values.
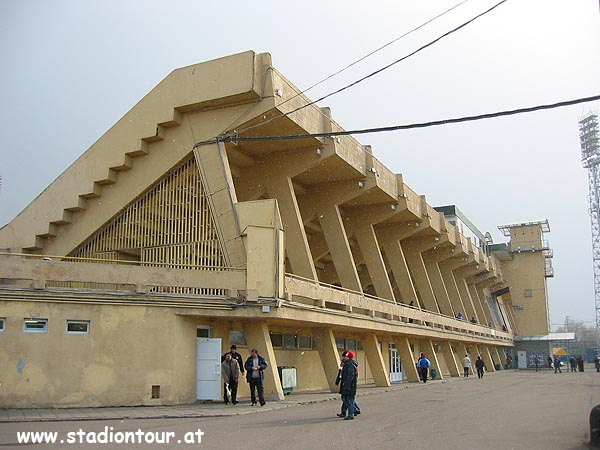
x=302, y=247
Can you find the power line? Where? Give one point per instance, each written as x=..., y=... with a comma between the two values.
x=354, y=83
x=233, y=137
x=373, y=52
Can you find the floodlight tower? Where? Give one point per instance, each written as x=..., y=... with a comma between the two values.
x=589, y=137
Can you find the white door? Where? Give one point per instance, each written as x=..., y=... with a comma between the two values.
x=208, y=369
x=522, y=359
x=395, y=366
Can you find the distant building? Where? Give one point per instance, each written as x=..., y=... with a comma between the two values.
x=130, y=274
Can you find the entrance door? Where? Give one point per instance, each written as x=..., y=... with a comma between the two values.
x=395, y=365
x=208, y=368
x=522, y=359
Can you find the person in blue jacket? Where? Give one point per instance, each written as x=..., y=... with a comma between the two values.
x=423, y=365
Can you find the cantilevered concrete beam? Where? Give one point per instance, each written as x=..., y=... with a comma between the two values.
x=330, y=358
x=257, y=336
x=432, y=259
x=408, y=360
x=446, y=269
x=450, y=360
x=376, y=364
x=432, y=356
x=339, y=248
x=461, y=283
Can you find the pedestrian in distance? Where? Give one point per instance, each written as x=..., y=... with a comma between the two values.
x=230, y=371
x=255, y=375
x=466, y=365
x=348, y=383
x=580, y=362
x=573, y=364
x=479, y=365
x=597, y=363
x=338, y=380
x=550, y=364
x=557, y=364
x=536, y=361
x=423, y=365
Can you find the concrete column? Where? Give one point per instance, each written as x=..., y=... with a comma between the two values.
x=484, y=292
x=432, y=356
x=458, y=357
x=446, y=268
x=461, y=284
x=339, y=248
x=408, y=360
x=487, y=358
x=367, y=241
x=375, y=359
x=450, y=360
x=479, y=314
x=417, y=269
x=439, y=288
x=330, y=357
x=216, y=177
x=296, y=243
x=502, y=355
x=257, y=336
x=397, y=261
x=495, y=356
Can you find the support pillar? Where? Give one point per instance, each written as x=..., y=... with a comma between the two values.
x=450, y=360
x=375, y=359
x=367, y=241
x=257, y=336
x=435, y=364
x=408, y=360
x=339, y=248
x=330, y=357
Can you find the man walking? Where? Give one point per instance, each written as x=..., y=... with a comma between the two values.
x=235, y=355
x=557, y=364
x=479, y=365
x=230, y=371
x=255, y=366
x=338, y=380
x=423, y=365
x=466, y=365
x=348, y=384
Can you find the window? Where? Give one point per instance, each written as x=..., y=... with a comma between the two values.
x=350, y=344
x=527, y=293
x=78, y=327
x=279, y=340
x=237, y=338
x=289, y=341
x=305, y=342
x=35, y=325
x=340, y=343
x=276, y=340
x=2, y=324
x=203, y=331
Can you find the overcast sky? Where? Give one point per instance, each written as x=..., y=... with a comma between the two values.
x=72, y=68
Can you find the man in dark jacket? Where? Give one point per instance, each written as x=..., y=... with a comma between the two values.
x=255, y=366
x=479, y=365
x=348, y=384
x=338, y=379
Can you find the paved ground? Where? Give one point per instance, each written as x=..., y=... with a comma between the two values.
x=505, y=410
